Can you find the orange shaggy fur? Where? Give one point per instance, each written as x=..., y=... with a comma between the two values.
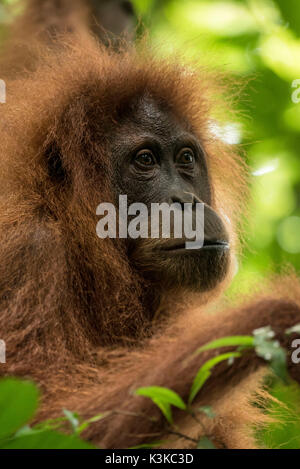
x=70, y=304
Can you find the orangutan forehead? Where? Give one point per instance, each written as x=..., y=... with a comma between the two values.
x=150, y=114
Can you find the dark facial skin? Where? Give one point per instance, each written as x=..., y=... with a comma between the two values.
x=158, y=159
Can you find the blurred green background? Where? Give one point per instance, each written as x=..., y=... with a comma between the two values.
x=260, y=40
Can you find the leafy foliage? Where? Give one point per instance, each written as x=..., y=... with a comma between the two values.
x=163, y=398
x=18, y=403
x=205, y=443
x=205, y=372
x=285, y=391
x=270, y=351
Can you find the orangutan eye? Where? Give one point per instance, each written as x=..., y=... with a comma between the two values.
x=145, y=158
x=186, y=157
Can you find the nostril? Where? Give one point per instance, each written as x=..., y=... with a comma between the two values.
x=183, y=198
x=127, y=7
x=176, y=200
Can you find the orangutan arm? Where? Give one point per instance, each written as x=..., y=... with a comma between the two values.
x=167, y=363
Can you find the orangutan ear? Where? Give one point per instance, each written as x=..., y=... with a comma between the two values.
x=55, y=166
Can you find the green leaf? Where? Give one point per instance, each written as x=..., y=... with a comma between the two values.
x=50, y=424
x=207, y=410
x=204, y=372
x=45, y=440
x=165, y=408
x=271, y=351
x=98, y=417
x=201, y=377
x=73, y=418
x=205, y=443
x=88, y=422
x=26, y=430
x=162, y=394
x=163, y=398
x=295, y=329
x=263, y=333
x=230, y=341
x=18, y=403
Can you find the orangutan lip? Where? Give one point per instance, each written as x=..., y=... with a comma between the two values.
x=216, y=244
x=208, y=245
